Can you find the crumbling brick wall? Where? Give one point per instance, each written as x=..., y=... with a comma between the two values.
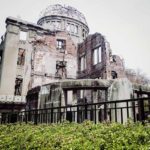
x=46, y=56
x=102, y=69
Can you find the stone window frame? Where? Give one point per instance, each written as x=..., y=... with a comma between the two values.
x=21, y=61
x=97, y=52
x=61, y=67
x=18, y=86
x=83, y=64
x=61, y=44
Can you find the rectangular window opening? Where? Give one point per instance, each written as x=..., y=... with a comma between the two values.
x=21, y=57
x=61, y=44
x=18, y=86
x=97, y=56
x=83, y=63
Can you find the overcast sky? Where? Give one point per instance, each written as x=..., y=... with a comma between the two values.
x=124, y=23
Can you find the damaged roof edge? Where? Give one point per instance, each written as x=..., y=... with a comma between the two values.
x=17, y=21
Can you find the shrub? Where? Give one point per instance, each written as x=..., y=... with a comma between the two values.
x=73, y=136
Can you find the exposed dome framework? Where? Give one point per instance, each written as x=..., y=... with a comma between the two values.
x=65, y=11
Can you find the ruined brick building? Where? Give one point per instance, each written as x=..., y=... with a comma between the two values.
x=58, y=47
x=95, y=60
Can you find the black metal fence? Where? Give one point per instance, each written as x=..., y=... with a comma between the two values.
x=111, y=111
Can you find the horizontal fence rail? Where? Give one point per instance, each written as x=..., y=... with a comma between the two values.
x=110, y=111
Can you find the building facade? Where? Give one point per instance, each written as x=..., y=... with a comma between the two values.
x=36, y=54
x=58, y=47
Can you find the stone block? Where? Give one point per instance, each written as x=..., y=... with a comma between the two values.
x=2, y=97
x=9, y=98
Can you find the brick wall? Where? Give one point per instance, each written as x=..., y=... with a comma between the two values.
x=103, y=68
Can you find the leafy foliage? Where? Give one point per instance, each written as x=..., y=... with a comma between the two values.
x=73, y=136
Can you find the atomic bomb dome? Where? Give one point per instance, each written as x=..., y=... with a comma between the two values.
x=64, y=11
x=64, y=18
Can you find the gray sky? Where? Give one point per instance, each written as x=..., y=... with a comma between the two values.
x=124, y=23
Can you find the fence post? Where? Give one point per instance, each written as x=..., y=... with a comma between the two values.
x=85, y=111
x=105, y=111
x=95, y=116
x=141, y=107
x=77, y=114
x=52, y=113
x=106, y=105
x=25, y=113
x=36, y=117
x=141, y=111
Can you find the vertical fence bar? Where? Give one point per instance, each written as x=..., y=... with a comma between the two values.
x=141, y=113
x=91, y=113
x=121, y=116
x=77, y=114
x=74, y=113
x=127, y=109
x=40, y=117
x=52, y=113
x=26, y=121
x=60, y=114
x=35, y=117
x=46, y=118
x=100, y=115
x=105, y=111
x=95, y=113
x=133, y=106
x=110, y=114
x=85, y=111
x=115, y=112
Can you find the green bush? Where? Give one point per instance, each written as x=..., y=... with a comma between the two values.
x=73, y=136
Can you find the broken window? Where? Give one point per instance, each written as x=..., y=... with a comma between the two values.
x=61, y=71
x=21, y=57
x=18, y=86
x=97, y=55
x=61, y=44
x=114, y=75
x=83, y=63
x=23, y=35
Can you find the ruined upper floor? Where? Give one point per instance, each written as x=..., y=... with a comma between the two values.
x=95, y=59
